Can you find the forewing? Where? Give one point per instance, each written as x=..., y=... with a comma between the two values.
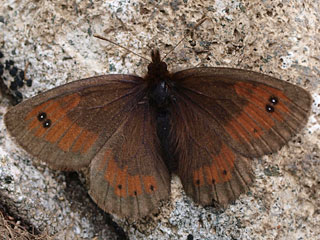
x=128, y=177
x=210, y=171
x=68, y=125
x=253, y=113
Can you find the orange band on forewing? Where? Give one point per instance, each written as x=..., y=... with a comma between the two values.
x=247, y=91
x=255, y=100
x=80, y=141
x=37, y=109
x=34, y=116
x=281, y=107
x=33, y=124
x=257, y=97
x=260, y=116
x=283, y=98
x=54, y=110
x=236, y=131
x=56, y=131
x=249, y=125
x=61, y=107
x=40, y=131
x=70, y=137
x=264, y=92
x=278, y=116
x=91, y=139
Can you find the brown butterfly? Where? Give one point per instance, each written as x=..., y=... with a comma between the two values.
x=204, y=124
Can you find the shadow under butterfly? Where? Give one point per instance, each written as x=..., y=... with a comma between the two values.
x=204, y=124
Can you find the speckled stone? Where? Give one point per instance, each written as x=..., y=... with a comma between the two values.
x=279, y=38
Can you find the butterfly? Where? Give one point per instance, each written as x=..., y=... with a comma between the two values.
x=204, y=124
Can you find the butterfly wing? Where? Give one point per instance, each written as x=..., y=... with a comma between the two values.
x=210, y=171
x=103, y=121
x=221, y=118
x=67, y=126
x=128, y=176
x=254, y=113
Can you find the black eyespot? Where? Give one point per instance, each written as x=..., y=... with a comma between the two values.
x=213, y=181
x=42, y=116
x=198, y=182
x=47, y=123
x=135, y=193
x=119, y=186
x=151, y=187
x=269, y=108
x=274, y=100
x=224, y=172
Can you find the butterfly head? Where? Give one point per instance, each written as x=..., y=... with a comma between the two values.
x=158, y=79
x=157, y=69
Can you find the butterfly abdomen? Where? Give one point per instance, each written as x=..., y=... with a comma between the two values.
x=163, y=132
x=160, y=100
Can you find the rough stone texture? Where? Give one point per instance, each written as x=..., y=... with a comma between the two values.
x=280, y=38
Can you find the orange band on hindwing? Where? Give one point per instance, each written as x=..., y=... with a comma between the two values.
x=134, y=186
x=219, y=171
x=149, y=184
x=123, y=183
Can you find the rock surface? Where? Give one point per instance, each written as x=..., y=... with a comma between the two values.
x=279, y=38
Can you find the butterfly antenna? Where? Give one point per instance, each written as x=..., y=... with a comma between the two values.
x=185, y=36
x=118, y=45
